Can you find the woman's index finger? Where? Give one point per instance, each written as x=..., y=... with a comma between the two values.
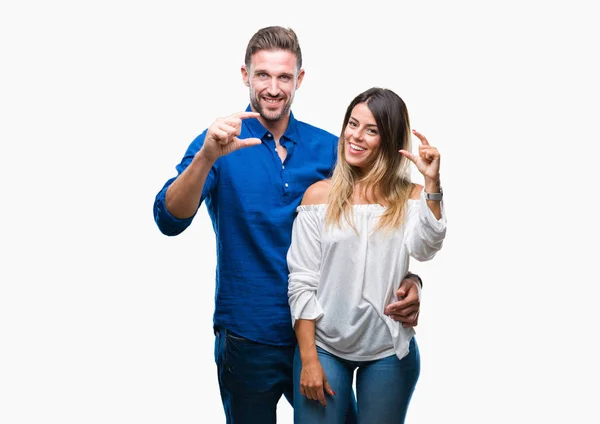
x=421, y=137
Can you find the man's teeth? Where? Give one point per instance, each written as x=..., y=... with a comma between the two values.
x=355, y=147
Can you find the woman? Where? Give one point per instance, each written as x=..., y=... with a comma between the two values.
x=351, y=242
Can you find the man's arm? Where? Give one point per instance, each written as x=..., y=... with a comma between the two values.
x=171, y=221
x=183, y=195
x=415, y=277
x=178, y=202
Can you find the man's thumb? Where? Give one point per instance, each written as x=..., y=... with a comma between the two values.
x=401, y=293
x=247, y=142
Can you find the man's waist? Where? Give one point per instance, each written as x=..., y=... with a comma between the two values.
x=268, y=332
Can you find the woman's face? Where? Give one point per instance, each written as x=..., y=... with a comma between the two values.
x=362, y=139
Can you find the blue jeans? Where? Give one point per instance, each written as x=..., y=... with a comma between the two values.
x=253, y=377
x=383, y=389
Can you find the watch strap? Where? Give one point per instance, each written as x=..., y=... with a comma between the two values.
x=435, y=196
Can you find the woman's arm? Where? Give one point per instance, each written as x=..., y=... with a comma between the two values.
x=313, y=381
x=304, y=263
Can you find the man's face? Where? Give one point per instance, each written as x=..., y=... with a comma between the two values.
x=273, y=79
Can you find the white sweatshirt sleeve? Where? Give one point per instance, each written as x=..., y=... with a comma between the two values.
x=304, y=262
x=424, y=233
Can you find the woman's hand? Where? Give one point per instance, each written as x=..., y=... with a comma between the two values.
x=313, y=382
x=427, y=161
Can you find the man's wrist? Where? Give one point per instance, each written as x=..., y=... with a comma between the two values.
x=415, y=277
x=203, y=157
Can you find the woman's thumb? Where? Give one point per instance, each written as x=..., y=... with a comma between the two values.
x=328, y=388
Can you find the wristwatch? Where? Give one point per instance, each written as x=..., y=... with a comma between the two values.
x=434, y=196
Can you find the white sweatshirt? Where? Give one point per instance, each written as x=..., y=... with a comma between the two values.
x=344, y=279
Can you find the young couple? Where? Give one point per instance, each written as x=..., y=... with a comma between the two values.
x=314, y=233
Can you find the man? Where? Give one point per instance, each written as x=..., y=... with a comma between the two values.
x=252, y=169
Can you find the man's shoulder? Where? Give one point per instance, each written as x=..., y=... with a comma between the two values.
x=315, y=131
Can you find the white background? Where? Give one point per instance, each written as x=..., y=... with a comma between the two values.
x=105, y=320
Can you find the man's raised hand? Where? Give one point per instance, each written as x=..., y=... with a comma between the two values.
x=222, y=136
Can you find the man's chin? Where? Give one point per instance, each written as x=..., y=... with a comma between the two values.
x=271, y=115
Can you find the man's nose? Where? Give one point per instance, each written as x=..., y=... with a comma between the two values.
x=273, y=87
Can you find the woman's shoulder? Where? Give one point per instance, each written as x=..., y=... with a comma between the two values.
x=317, y=193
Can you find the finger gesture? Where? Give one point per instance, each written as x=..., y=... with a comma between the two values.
x=222, y=136
x=428, y=159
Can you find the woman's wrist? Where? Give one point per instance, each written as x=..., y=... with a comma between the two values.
x=432, y=185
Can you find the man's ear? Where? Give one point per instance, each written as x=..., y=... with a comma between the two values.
x=300, y=78
x=245, y=76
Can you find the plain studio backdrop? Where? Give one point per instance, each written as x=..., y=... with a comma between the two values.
x=105, y=320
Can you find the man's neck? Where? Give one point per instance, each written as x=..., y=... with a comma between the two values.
x=277, y=128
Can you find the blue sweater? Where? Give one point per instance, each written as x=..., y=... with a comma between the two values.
x=251, y=197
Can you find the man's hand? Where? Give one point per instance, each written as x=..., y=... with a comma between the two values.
x=222, y=136
x=406, y=309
